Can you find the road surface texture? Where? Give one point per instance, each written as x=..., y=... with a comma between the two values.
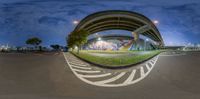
x=63, y=76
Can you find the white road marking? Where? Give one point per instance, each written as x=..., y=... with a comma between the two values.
x=77, y=64
x=131, y=76
x=148, y=68
x=151, y=63
x=85, y=71
x=142, y=71
x=111, y=79
x=81, y=67
x=75, y=61
x=95, y=76
x=153, y=60
x=133, y=82
x=105, y=83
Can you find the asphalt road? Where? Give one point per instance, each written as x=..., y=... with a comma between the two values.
x=48, y=76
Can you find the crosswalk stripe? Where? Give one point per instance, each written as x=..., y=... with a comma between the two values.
x=85, y=71
x=71, y=63
x=95, y=76
x=111, y=79
x=142, y=71
x=147, y=65
x=131, y=76
x=77, y=63
x=75, y=60
x=81, y=67
x=151, y=63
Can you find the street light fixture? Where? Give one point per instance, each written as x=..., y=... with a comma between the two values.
x=99, y=39
x=75, y=22
x=155, y=21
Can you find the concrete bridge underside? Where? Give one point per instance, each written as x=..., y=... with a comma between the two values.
x=122, y=20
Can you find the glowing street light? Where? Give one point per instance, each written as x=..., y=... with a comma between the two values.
x=75, y=22
x=155, y=21
x=99, y=39
x=76, y=47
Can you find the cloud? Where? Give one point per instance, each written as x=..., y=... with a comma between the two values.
x=47, y=20
x=75, y=11
x=187, y=17
x=179, y=19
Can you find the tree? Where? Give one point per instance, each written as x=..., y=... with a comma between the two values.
x=35, y=42
x=56, y=46
x=70, y=42
x=77, y=38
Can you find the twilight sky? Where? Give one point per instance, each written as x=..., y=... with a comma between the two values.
x=51, y=20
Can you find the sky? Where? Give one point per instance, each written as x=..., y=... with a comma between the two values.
x=52, y=20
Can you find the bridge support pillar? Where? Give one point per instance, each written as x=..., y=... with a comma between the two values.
x=136, y=40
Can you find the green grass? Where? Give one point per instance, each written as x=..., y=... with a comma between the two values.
x=117, y=60
x=107, y=52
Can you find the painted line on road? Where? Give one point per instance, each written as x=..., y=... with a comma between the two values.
x=148, y=68
x=142, y=71
x=80, y=62
x=95, y=76
x=85, y=71
x=80, y=67
x=131, y=76
x=111, y=79
x=132, y=82
x=77, y=64
x=105, y=83
x=151, y=63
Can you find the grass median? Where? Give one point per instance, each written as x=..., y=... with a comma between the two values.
x=129, y=57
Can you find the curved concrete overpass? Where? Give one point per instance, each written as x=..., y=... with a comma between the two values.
x=123, y=20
